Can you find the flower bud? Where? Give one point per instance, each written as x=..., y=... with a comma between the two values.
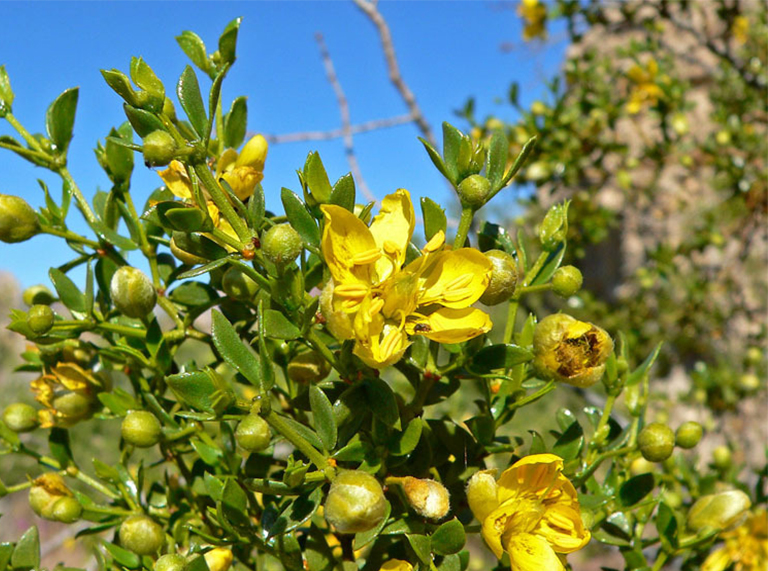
x=141, y=429
x=219, y=559
x=566, y=281
x=169, y=110
x=253, y=434
x=238, y=286
x=355, y=502
x=482, y=493
x=170, y=562
x=554, y=227
x=641, y=466
x=74, y=406
x=503, y=278
x=570, y=351
x=656, y=442
x=722, y=458
x=688, y=435
x=474, y=191
x=20, y=417
x=45, y=492
x=18, y=221
x=133, y=292
x=159, y=148
x=141, y=534
x=429, y=498
x=254, y=153
x=719, y=511
x=38, y=295
x=308, y=367
x=281, y=244
x=40, y=319
x=749, y=382
x=66, y=510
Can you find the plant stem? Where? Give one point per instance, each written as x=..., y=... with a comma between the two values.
x=280, y=425
x=464, y=223
x=31, y=141
x=314, y=339
x=223, y=204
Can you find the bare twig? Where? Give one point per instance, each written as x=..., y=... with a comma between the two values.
x=349, y=146
x=356, y=129
x=370, y=9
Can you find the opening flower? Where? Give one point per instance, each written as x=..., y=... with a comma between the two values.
x=245, y=170
x=645, y=90
x=379, y=300
x=746, y=547
x=531, y=513
x=68, y=393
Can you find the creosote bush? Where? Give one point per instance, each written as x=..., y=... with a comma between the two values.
x=310, y=438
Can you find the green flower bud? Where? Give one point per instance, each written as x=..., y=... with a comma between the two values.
x=749, y=382
x=38, y=295
x=754, y=356
x=566, y=281
x=159, y=149
x=474, y=191
x=142, y=535
x=133, y=292
x=253, y=434
x=281, y=244
x=723, y=510
x=170, y=562
x=238, y=286
x=429, y=498
x=503, y=278
x=45, y=492
x=688, y=434
x=554, y=227
x=20, y=417
x=169, y=110
x=722, y=458
x=40, y=319
x=18, y=221
x=355, y=502
x=308, y=367
x=141, y=428
x=66, y=510
x=570, y=351
x=656, y=442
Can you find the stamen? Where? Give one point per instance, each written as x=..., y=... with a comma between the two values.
x=435, y=243
x=367, y=257
x=457, y=294
x=390, y=248
x=354, y=291
x=461, y=281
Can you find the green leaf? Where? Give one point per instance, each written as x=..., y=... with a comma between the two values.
x=404, y=442
x=637, y=375
x=120, y=84
x=494, y=237
x=256, y=207
x=452, y=139
x=143, y=122
x=188, y=92
x=277, y=326
x=364, y=538
x=538, y=446
x=145, y=78
x=435, y=157
x=382, y=402
x=299, y=217
x=497, y=160
x=449, y=538
x=119, y=158
x=267, y=370
x=60, y=118
x=228, y=41
x=667, y=526
x=202, y=390
x=317, y=178
x=421, y=546
x=451, y=563
x=519, y=161
x=553, y=261
x=208, y=454
x=500, y=357
x=193, y=294
x=6, y=93
x=343, y=193
x=570, y=443
x=123, y=556
x=235, y=122
x=58, y=442
x=194, y=47
x=434, y=217
x=323, y=419
x=636, y=488
x=6, y=549
x=307, y=433
x=233, y=350
x=70, y=294
x=209, y=267
x=296, y=512
x=26, y=554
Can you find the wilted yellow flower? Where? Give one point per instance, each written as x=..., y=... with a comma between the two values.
x=245, y=170
x=535, y=15
x=531, y=513
x=386, y=300
x=396, y=565
x=69, y=394
x=746, y=547
x=645, y=90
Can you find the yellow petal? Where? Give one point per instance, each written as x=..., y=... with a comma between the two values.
x=528, y=552
x=456, y=278
x=243, y=181
x=717, y=560
x=563, y=528
x=532, y=475
x=176, y=179
x=226, y=162
x=346, y=236
x=392, y=229
x=448, y=325
x=496, y=524
x=396, y=565
x=637, y=74
x=254, y=153
x=384, y=349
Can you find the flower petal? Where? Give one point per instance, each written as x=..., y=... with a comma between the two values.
x=456, y=278
x=532, y=475
x=392, y=229
x=176, y=179
x=382, y=349
x=528, y=552
x=448, y=325
x=348, y=246
x=562, y=527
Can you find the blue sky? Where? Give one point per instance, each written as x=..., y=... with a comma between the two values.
x=447, y=51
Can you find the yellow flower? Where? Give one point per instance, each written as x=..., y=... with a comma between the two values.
x=531, y=513
x=746, y=547
x=645, y=90
x=740, y=30
x=245, y=170
x=396, y=565
x=384, y=299
x=68, y=393
x=219, y=559
x=535, y=15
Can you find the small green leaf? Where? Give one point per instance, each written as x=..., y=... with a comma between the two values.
x=145, y=78
x=188, y=91
x=256, y=207
x=296, y=512
x=449, y=538
x=208, y=454
x=434, y=217
x=202, y=269
x=317, y=178
x=123, y=556
x=267, y=370
x=382, y=402
x=70, y=294
x=553, y=261
x=58, y=442
x=235, y=122
x=233, y=350
x=6, y=93
x=497, y=160
x=228, y=41
x=120, y=84
x=6, y=550
x=299, y=217
x=60, y=118
x=500, y=357
x=143, y=122
x=637, y=375
x=194, y=47
x=277, y=326
x=343, y=193
x=667, y=526
x=26, y=554
x=452, y=139
x=435, y=157
x=570, y=443
x=538, y=446
x=324, y=421
x=421, y=546
x=404, y=442
x=519, y=161
x=202, y=390
x=636, y=488
x=193, y=294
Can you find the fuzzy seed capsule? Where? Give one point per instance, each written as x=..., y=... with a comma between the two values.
x=238, y=286
x=253, y=434
x=503, y=278
x=159, y=149
x=141, y=429
x=474, y=191
x=38, y=295
x=66, y=510
x=170, y=562
x=132, y=292
x=656, y=442
x=18, y=221
x=308, y=367
x=281, y=244
x=430, y=499
x=355, y=502
x=40, y=319
x=20, y=417
x=141, y=534
x=688, y=435
x=566, y=281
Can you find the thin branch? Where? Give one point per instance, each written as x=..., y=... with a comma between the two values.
x=356, y=129
x=370, y=9
x=349, y=146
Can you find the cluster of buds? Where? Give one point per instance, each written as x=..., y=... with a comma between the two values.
x=68, y=393
x=51, y=499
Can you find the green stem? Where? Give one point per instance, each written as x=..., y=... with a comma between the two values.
x=31, y=141
x=660, y=561
x=584, y=475
x=509, y=328
x=464, y=223
x=82, y=203
x=531, y=274
x=534, y=288
x=223, y=204
x=314, y=339
x=280, y=425
x=33, y=156
x=604, y=418
x=71, y=236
